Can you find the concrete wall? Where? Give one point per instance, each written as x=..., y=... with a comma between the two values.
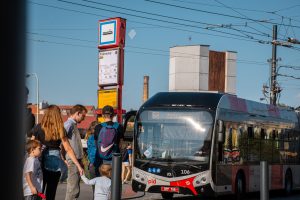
x=189, y=69
x=230, y=72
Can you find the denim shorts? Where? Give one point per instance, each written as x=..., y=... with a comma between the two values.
x=52, y=160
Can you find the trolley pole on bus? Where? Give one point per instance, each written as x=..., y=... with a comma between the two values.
x=264, y=180
x=116, y=177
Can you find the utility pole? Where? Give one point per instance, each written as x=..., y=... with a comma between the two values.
x=273, y=89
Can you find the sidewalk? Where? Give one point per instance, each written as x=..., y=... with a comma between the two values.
x=86, y=192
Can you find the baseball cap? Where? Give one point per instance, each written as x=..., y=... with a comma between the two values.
x=108, y=110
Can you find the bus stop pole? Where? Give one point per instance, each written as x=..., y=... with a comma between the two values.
x=264, y=180
x=116, y=177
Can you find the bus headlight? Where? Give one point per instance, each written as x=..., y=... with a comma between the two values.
x=139, y=176
x=201, y=179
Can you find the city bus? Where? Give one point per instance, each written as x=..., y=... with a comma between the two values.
x=211, y=144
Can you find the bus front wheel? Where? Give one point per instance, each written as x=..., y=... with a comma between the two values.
x=288, y=186
x=166, y=195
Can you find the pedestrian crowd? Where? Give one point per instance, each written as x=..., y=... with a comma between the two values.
x=53, y=146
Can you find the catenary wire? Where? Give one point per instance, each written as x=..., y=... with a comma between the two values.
x=155, y=25
x=209, y=12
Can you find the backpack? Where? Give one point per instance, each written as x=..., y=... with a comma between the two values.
x=107, y=140
x=125, y=155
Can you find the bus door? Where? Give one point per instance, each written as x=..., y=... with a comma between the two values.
x=128, y=125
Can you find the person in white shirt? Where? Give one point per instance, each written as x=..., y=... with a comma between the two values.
x=102, y=184
x=32, y=171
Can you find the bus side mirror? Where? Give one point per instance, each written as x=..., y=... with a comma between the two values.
x=221, y=131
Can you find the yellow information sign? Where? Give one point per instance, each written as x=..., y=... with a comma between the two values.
x=107, y=97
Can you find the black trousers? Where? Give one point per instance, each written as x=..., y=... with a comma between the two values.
x=50, y=182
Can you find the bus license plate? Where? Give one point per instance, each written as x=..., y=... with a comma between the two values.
x=169, y=189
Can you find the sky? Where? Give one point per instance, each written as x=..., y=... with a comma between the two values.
x=62, y=38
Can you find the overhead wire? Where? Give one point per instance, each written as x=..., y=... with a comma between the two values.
x=177, y=54
x=209, y=12
x=226, y=6
x=149, y=18
x=169, y=17
x=149, y=13
x=286, y=8
x=289, y=76
x=213, y=5
x=156, y=25
x=246, y=35
x=241, y=37
x=260, y=41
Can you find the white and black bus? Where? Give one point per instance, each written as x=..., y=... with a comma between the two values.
x=211, y=144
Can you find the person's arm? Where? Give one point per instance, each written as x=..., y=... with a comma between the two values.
x=28, y=179
x=109, y=193
x=34, y=135
x=63, y=154
x=87, y=181
x=71, y=154
x=96, y=132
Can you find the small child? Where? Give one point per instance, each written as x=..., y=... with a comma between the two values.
x=102, y=184
x=32, y=171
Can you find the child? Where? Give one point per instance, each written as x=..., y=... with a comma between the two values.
x=102, y=184
x=32, y=171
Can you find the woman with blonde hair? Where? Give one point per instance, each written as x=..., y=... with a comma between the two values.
x=51, y=133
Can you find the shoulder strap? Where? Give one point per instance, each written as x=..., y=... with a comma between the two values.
x=104, y=124
x=116, y=125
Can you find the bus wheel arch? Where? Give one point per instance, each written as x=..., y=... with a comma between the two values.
x=240, y=185
x=288, y=183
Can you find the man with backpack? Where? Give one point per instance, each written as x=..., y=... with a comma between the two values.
x=108, y=136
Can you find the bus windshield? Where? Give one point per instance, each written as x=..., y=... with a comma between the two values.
x=174, y=135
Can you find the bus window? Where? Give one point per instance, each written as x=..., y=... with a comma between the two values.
x=243, y=142
x=266, y=145
x=262, y=134
x=257, y=132
x=274, y=134
x=231, y=144
x=254, y=144
x=227, y=143
x=250, y=132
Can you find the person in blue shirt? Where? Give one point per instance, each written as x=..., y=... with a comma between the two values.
x=91, y=149
x=127, y=163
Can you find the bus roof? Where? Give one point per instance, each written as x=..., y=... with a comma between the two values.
x=184, y=99
x=216, y=100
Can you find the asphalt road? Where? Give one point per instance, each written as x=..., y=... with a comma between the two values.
x=127, y=193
